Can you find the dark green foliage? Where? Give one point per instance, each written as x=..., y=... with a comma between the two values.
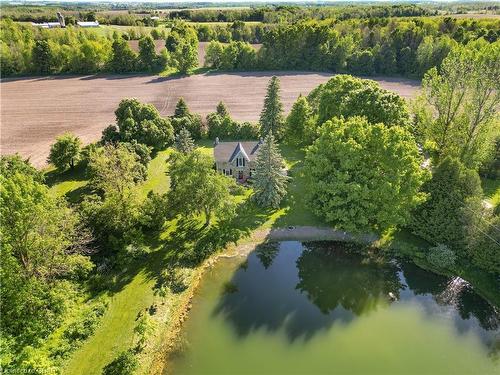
x=347, y=96
x=232, y=56
x=149, y=60
x=222, y=109
x=86, y=325
x=154, y=211
x=181, y=108
x=271, y=117
x=451, y=192
x=485, y=247
x=184, y=119
x=225, y=127
x=361, y=62
x=65, y=152
x=110, y=134
x=123, y=60
x=125, y=364
x=269, y=178
x=363, y=177
x=300, y=124
x=182, y=45
x=42, y=57
x=441, y=256
x=142, y=123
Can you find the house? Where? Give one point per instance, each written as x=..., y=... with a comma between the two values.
x=88, y=23
x=236, y=159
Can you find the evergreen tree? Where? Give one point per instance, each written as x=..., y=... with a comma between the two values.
x=222, y=109
x=270, y=182
x=271, y=117
x=124, y=59
x=147, y=54
x=181, y=108
x=454, y=193
x=183, y=141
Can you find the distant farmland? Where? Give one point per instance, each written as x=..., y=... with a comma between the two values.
x=36, y=110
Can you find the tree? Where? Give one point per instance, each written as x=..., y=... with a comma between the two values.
x=44, y=250
x=125, y=364
x=453, y=192
x=299, y=123
x=183, y=142
x=124, y=60
x=213, y=55
x=148, y=59
x=441, y=256
x=12, y=164
x=196, y=188
x=42, y=57
x=181, y=108
x=143, y=123
x=463, y=98
x=222, y=109
x=182, y=44
x=65, y=152
x=344, y=95
x=271, y=117
x=484, y=247
x=114, y=213
x=362, y=176
x=270, y=181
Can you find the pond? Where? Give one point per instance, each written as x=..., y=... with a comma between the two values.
x=317, y=308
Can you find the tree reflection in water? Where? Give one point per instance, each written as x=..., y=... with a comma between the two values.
x=303, y=289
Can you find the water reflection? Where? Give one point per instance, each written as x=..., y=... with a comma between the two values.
x=303, y=289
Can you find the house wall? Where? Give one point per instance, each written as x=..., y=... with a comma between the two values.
x=221, y=166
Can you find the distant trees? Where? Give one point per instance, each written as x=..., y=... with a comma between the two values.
x=269, y=178
x=271, y=117
x=123, y=59
x=42, y=57
x=65, y=152
x=182, y=45
x=363, y=176
x=233, y=56
x=196, y=188
x=149, y=60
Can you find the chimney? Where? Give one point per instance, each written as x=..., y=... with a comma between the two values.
x=60, y=18
x=216, y=141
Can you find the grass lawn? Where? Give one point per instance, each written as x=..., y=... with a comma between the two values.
x=491, y=189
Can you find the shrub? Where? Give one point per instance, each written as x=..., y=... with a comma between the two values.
x=176, y=279
x=441, y=256
x=124, y=364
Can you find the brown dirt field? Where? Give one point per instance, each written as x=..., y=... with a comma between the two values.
x=160, y=44
x=35, y=110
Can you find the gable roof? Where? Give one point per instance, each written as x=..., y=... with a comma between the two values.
x=227, y=151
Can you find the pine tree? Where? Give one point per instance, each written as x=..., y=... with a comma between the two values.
x=183, y=142
x=271, y=117
x=222, y=109
x=181, y=108
x=270, y=182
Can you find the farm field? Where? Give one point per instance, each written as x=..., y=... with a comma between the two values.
x=36, y=110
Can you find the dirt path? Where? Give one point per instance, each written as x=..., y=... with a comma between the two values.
x=35, y=110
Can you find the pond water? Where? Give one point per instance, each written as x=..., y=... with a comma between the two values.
x=319, y=308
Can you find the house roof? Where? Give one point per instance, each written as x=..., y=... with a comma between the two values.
x=227, y=151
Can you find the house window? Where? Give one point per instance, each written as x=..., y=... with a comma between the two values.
x=240, y=162
x=230, y=172
x=252, y=171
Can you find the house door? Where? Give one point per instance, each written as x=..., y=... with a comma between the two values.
x=240, y=175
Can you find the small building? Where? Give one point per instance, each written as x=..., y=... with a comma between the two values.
x=236, y=159
x=47, y=25
x=88, y=23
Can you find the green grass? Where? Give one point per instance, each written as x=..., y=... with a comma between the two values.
x=491, y=189
x=157, y=180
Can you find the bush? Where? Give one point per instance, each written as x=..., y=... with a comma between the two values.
x=441, y=256
x=124, y=364
x=176, y=279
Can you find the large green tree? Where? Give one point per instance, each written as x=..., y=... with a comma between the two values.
x=345, y=95
x=462, y=100
x=142, y=123
x=454, y=194
x=65, y=152
x=42, y=57
x=123, y=59
x=363, y=176
x=149, y=60
x=271, y=117
x=196, y=188
x=269, y=179
x=182, y=44
x=183, y=142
